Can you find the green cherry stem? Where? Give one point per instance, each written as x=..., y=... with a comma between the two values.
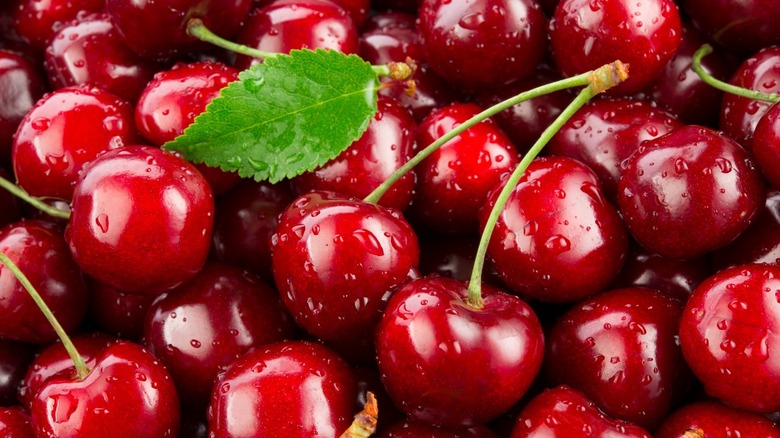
x=696, y=66
x=81, y=367
x=599, y=80
x=32, y=200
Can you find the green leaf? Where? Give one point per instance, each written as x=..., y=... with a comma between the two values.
x=286, y=116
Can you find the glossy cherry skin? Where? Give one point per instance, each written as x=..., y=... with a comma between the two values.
x=21, y=85
x=557, y=239
x=453, y=181
x=387, y=144
x=766, y=145
x=141, y=220
x=738, y=115
x=15, y=357
x=586, y=34
x=136, y=22
x=90, y=51
x=619, y=349
x=15, y=423
x=742, y=27
x=202, y=326
x=36, y=20
x=54, y=360
x=565, y=412
x=64, y=131
x=689, y=192
x=245, y=219
x=440, y=358
x=456, y=34
x=727, y=334
x=717, y=421
x=284, y=25
x=118, y=313
x=127, y=392
x=759, y=243
x=289, y=389
x=605, y=132
x=337, y=261
x=417, y=429
x=41, y=253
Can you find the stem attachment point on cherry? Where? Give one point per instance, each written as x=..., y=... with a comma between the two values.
x=705, y=76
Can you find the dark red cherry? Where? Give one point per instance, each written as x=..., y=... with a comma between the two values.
x=457, y=36
x=10, y=40
x=586, y=34
x=453, y=181
x=284, y=25
x=620, y=349
x=766, y=145
x=417, y=429
x=37, y=20
x=564, y=412
x=41, y=253
x=288, y=389
x=337, y=261
x=21, y=85
x=759, y=243
x=118, y=313
x=689, y=192
x=409, y=6
x=141, y=220
x=386, y=145
x=90, y=51
x=717, y=421
x=9, y=204
x=448, y=256
x=127, y=392
x=65, y=130
x=440, y=358
x=157, y=29
x=202, y=326
x=557, y=239
x=15, y=357
x=727, y=334
x=739, y=115
x=743, y=27
x=245, y=219
x=605, y=132
x=15, y=423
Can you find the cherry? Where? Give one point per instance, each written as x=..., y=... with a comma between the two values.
x=455, y=34
x=715, y=420
x=9, y=204
x=289, y=389
x=15, y=423
x=141, y=220
x=385, y=146
x=557, y=239
x=727, y=334
x=689, y=192
x=65, y=130
x=10, y=40
x=367, y=380
x=766, y=145
x=90, y=51
x=417, y=429
x=15, y=357
x=37, y=20
x=118, y=313
x=454, y=180
x=21, y=85
x=202, y=326
x=40, y=251
x=440, y=358
x=337, y=261
x=743, y=27
x=284, y=25
x=134, y=20
x=759, y=243
x=127, y=392
x=586, y=34
x=564, y=412
x=619, y=349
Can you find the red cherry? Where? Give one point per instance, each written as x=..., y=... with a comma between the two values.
x=289, y=389
x=417, y=429
x=21, y=85
x=116, y=312
x=127, y=392
x=441, y=359
x=727, y=334
x=759, y=243
x=37, y=20
x=716, y=421
x=766, y=145
x=15, y=358
x=743, y=27
x=15, y=423
x=141, y=220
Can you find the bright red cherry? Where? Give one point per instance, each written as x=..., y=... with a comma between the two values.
x=65, y=130
x=141, y=220
x=759, y=243
x=586, y=34
x=15, y=423
x=441, y=359
x=766, y=145
x=21, y=85
x=482, y=44
x=15, y=358
x=288, y=389
x=37, y=20
x=728, y=336
x=715, y=420
x=743, y=27
x=689, y=192
x=127, y=392
x=557, y=239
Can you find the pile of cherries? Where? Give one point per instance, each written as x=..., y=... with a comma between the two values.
x=632, y=283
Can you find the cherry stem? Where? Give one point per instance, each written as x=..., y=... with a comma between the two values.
x=81, y=367
x=705, y=76
x=599, y=80
x=563, y=84
x=32, y=200
x=365, y=421
x=196, y=29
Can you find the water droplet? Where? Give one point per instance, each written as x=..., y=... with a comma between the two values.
x=558, y=244
x=369, y=241
x=102, y=222
x=195, y=343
